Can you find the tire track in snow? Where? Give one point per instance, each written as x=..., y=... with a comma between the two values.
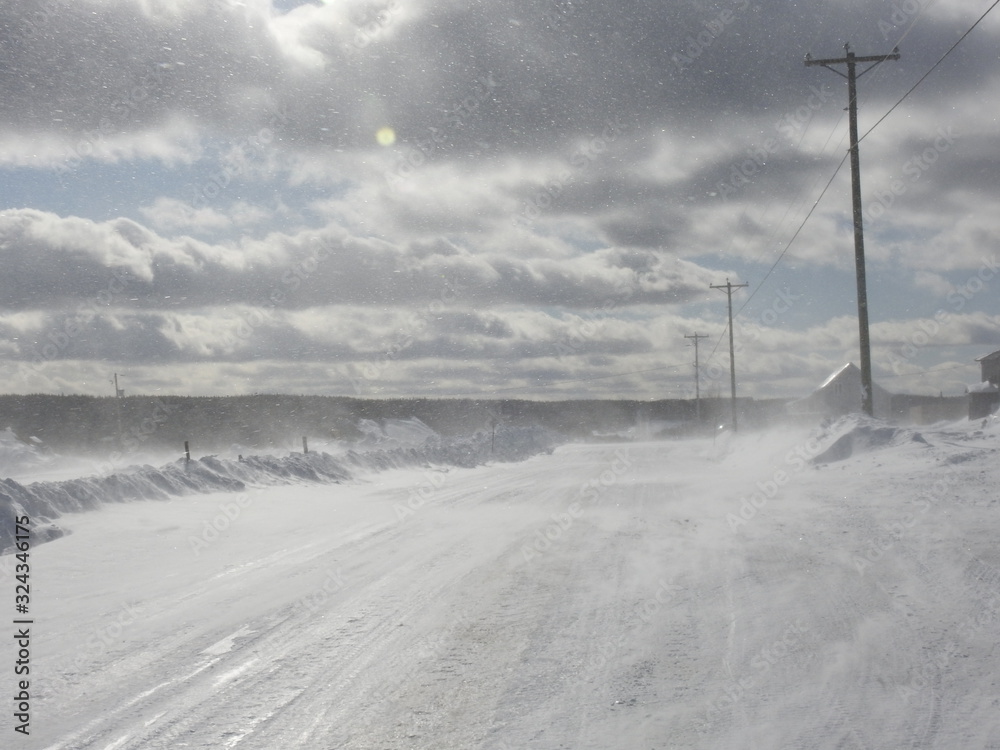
x=349, y=648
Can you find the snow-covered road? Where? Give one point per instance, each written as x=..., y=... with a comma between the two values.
x=643, y=595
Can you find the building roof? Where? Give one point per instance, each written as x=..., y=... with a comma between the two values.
x=840, y=393
x=848, y=368
x=989, y=357
x=849, y=372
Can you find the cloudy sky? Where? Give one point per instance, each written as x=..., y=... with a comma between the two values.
x=517, y=198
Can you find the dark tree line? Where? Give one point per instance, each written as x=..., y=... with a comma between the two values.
x=105, y=424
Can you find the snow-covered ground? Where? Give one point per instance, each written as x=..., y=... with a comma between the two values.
x=838, y=588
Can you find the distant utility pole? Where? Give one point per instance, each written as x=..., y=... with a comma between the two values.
x=851, y=60
x=119, y=395
x=728, y=287
x=697, y=375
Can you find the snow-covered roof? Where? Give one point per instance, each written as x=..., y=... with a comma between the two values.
x=988, y=357
x=849, y=367
x=850, y=370
x=984, y=387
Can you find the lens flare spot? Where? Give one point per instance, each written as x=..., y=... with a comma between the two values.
x=385, y=136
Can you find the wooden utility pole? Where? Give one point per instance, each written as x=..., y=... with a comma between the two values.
x=728, y=287
x=697, y=376
x=851, y=60
x=119, y=395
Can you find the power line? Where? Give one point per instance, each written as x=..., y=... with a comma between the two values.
x=925, y=75
x=797, y=232
x=789, y=244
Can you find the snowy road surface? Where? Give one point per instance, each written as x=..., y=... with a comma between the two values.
x=649, y=595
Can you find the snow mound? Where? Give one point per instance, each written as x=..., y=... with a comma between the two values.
x=16, y=455
x=43, y=502
x=855, y=434
x=984, y=387
x=395, y=432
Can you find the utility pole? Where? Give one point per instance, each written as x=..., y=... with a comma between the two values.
x=119, y=395
x=697, y=376
x=728, y=287
x=851, y=60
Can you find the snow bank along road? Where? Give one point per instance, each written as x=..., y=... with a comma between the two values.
x=654, y=595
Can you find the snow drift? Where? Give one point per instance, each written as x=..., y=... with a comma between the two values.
x=17, y=455
x=44, y=502
x=855, y=434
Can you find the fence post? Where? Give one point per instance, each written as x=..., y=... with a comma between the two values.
x=305, y=444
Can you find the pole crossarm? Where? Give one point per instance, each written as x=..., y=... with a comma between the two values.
x=826, y=63
x=851, y=60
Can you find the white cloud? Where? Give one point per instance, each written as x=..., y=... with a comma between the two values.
x=217, y=160
x=170, y=214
